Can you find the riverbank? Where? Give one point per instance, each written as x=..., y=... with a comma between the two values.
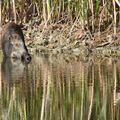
x=71, y=40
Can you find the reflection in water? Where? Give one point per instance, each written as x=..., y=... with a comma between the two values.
x=58, y=88
x=12, y=70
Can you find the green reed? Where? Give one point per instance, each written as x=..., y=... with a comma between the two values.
x=88, y=12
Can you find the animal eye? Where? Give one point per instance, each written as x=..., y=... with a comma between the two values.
x=14, y=36
x=15, y=44
x=18, y=44
x=9, y=37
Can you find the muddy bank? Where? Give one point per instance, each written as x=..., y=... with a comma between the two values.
x=64, y=39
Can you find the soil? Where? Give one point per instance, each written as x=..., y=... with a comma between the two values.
x=71, y=40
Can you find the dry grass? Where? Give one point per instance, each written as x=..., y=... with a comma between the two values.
x=87, y=12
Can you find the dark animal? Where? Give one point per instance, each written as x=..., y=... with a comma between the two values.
x=13, y=43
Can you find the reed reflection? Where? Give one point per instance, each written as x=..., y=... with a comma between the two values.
x=55, y=88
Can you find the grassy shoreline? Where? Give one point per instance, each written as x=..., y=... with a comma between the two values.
x=60, y=39
x=65, y=26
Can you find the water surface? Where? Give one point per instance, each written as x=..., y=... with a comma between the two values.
x=60, y=88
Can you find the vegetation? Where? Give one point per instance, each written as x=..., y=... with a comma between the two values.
x=54, y=88
x=59, y=26
x=95, y=14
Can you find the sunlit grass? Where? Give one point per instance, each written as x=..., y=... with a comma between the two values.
x=88, y=12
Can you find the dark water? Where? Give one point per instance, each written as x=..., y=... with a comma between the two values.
x=60, y=88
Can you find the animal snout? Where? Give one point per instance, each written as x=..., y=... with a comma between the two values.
x=26, y=58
